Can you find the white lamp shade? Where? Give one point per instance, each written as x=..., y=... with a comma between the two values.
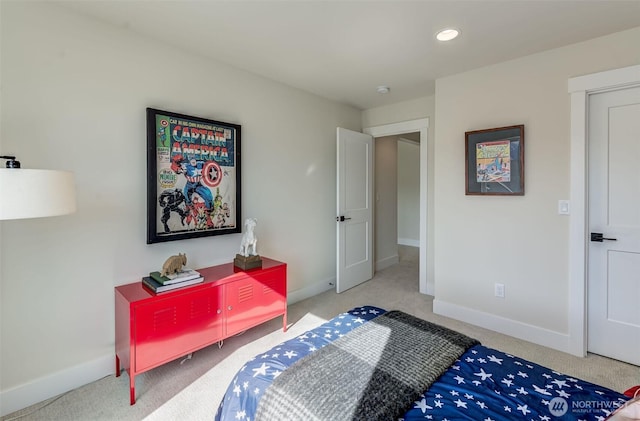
x=26, y=193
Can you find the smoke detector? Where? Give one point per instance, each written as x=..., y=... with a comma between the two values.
x=383, y=89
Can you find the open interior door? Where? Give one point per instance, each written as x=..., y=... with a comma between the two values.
x=355, y=209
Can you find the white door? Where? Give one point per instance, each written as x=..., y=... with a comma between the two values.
x=614, y=214
x=355, y=209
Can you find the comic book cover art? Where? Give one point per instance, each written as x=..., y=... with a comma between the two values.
x=493, y=161
x=195, y=175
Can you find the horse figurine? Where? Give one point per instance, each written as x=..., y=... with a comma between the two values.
x=249, y=239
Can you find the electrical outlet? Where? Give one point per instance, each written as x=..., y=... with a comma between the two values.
x=499, y=290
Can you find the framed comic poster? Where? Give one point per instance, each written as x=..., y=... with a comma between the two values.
x=494, y=161
x=193, y=177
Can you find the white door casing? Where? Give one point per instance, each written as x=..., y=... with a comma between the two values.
x=354, y=209
x=581, y=88
x=613, y=281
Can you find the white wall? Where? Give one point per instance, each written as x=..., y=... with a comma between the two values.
x=74, y=93
x=386, y=199
x=519, y=241
x=408, y=193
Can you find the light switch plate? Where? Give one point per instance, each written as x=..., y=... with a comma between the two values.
x=563, y=207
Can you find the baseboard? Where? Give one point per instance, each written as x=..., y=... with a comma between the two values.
x=409, y=242
x=55, y=384
x=386, y=262
x=310, y=291
x=524, y=331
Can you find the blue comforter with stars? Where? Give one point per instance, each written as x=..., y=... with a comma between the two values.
x=484, y=384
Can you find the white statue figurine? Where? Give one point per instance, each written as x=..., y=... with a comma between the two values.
x=248, y=246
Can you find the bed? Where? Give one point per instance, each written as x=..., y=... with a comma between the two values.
x=369, y=363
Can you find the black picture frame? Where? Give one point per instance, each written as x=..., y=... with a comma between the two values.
x=494, y=161
x=193, y=177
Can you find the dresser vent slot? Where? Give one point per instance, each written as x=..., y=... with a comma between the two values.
x=164, y=319
x=200, y=307
x=245, y=293
x=268, y=284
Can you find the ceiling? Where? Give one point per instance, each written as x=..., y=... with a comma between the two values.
x=344, y=50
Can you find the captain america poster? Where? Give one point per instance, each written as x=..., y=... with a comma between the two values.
x=193, y=166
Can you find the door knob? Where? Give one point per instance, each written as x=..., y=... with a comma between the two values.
x=598, y=237
x=341, y=218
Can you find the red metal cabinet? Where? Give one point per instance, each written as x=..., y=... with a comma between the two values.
x=154, y=329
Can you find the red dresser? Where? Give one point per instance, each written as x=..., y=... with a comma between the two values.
x=153, y=329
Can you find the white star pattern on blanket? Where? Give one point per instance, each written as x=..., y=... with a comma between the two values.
x=484, y=384
x=520, y=387
x=262, y=369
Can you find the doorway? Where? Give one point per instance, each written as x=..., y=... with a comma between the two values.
x=420, y=126
x=397, y=200
x=581, y=89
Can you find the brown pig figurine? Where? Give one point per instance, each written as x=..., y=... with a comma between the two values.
x=174, y=264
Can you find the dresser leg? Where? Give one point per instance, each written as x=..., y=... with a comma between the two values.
x=132, y=389
x=284, y=321
x=117, y=366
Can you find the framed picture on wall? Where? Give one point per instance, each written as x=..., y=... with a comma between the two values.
x=193, y=177
x=494, y=161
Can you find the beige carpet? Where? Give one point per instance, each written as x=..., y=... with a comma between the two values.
x=192, y=389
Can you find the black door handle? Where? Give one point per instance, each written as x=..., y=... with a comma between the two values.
x=341, y=218
x=597, y=236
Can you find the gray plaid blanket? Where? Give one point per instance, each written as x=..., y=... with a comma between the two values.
x=375, y=372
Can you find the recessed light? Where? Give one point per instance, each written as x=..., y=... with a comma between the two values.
x=447, y=34
x=383, y=89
